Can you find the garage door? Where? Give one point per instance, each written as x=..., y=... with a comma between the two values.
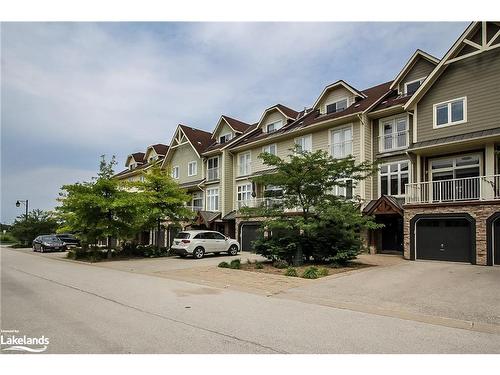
x=443, y=239
x=249, y=233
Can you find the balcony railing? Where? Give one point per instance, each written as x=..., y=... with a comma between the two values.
x=394, y=141
x=212, y=174
x=195, y=208
x=265, y=203
x=455, y=190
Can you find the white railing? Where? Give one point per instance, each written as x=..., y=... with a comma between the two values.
x=455, y=190
x=394, y=141
x=267, y=203
x=195, y=208
x=212, y=174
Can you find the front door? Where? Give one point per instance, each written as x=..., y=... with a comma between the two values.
x=496, y=242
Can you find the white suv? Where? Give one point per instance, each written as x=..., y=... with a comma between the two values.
x=199, y=242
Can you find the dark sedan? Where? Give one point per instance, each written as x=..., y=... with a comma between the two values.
x=48, y=243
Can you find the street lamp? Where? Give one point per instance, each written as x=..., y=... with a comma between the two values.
x=18, y=204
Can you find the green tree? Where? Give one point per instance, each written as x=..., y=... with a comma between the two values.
x=326, y=226
x=98, y=209
x=38, y=222
x=159, y=198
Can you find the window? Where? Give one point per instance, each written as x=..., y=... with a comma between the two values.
x=341, y=142
x=272, y=127
x=225, y=138
x=450, y=113
x=393, y=133
x=346, y=190
x=393, y=178
x=197, y=200
x=141, y=178
x=132, y=166
x=337, y=106
x=459, y=167
x=192, y=168
x=304, y=143
x=271, y=149
x=152, y=159
x=244, y=164
x=213, y=168
x=175, y=172
x=244, y=192
x=273, y=191
x=213, y=199
x=412, y=86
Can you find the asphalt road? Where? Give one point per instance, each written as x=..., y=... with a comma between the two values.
x=87, y=309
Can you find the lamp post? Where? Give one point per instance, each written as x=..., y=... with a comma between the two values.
x=25, y=202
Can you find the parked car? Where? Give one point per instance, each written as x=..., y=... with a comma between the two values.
x=47, y=243
x=68, y=239
x=200, y=242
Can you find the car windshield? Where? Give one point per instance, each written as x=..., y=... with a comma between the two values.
x=182, y=235
x=50, y=238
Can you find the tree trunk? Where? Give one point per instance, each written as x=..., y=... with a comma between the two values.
x=158, y=235
x=298, y=258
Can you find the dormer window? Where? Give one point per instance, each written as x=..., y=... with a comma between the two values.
x=225, y=138
x=272, y=127
x=336, y=106
x=132, y=166
x=152, y=159
x=412, y=86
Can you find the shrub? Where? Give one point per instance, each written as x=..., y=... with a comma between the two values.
x=281, y=264
x=323, y=272
x=310, y=273
x=258, y=266
x=223, y=265
x=7, y=238
x=71, y=254
x=290, y=271
x=235, y=264
x=18, y=246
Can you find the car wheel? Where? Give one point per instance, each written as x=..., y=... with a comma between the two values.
x=198, y=253
x=42, y=249
x=233, y=250
x=34, y=248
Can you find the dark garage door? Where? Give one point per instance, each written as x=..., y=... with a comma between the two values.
x=444, y=239
x=249, y=233
x=496, y=241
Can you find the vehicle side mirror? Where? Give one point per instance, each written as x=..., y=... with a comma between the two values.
x=227, y=238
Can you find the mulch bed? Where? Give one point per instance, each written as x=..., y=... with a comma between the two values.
x=332, y=270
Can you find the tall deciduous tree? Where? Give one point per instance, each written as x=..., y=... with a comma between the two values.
x=325, y=225
x=99, y=208
x=37, y=223
x=160, y=198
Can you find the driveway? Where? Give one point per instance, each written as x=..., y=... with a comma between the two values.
x=414, y=290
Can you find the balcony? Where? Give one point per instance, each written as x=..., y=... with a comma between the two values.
x=264, y=203
x=195, y=208
x=394, y=141
x=212, y=174
x=468, y=189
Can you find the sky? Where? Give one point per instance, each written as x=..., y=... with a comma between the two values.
x=71, y=92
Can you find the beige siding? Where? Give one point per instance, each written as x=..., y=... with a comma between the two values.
x=224, y=129
x=181, y=156
x=477, y=78
x=368, y=155
x=228, y=183
x=333, y=96
x=271, y=117
x=420, y=69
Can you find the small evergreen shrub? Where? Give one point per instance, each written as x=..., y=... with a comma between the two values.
x=310, y=273
x=258, y=266
x=223, y=265
x=292, y=272
x=235, y=264
x=323, y=272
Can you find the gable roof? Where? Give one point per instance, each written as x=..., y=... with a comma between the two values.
x=418, y=54
x=199, y=139
x=284, y=110
x=339, y=83
x=237, y=125
x=451, y=56
x=137, y=156
x=160, y=149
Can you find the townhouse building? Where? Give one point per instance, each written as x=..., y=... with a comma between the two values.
x=433, y=130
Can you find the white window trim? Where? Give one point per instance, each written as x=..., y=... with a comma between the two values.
x=410, y=167
x=454, y=157
x=249, y=191
x=304, y=136
x=195, y=168
x=208, y=196
x=335, y=101
x=449, y=123
x=274, y=122
x=330, y=140
x=381, y=132
x=410, y=82
x=176, y=167
x=249, y=171
x=226, y=134
x=269, y=146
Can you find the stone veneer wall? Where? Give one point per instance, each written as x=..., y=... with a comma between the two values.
x=245, y=219
x=480, y=212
